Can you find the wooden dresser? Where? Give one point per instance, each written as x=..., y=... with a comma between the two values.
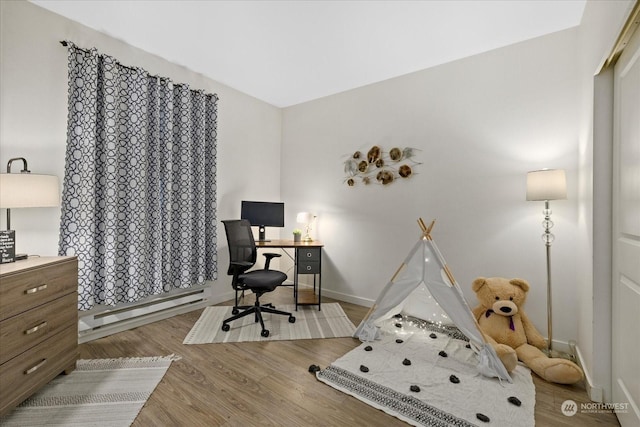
x=38, y=325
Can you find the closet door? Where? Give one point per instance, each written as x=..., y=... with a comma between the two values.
x=626, y=235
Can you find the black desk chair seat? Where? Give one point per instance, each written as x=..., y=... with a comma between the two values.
x=242, y=256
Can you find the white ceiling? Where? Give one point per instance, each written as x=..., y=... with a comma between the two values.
x=288, y=52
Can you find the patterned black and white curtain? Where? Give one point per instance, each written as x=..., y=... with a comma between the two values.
x=139, y=194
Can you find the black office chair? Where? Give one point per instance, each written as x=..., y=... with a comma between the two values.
x=242, y=256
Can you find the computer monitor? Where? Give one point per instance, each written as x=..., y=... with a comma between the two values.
x=263, y=214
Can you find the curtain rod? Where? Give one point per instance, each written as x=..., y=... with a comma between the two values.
x=65, y=44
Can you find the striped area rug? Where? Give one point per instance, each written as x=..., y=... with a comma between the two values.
x=101, y=392
x=330, y=322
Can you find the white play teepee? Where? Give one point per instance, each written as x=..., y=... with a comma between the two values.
x=425, y=268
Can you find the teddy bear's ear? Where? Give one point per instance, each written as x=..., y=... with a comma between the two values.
x=478, y=283
x=520, y=282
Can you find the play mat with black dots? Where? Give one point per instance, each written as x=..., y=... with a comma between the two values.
x=427, y=376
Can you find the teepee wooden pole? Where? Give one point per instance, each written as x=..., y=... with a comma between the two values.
x=426, y=231
x=431, y=227
x=449, y=274
x=402, y=266
x=373, y=307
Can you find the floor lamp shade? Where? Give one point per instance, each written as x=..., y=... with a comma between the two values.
x=27, y=190
x=547, y=184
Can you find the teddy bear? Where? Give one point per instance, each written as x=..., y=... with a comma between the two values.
x=505, y=325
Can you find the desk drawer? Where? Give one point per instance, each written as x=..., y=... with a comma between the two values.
x=30, y=288
x=20, y=333
x=309, y=254
x=308, y=267
x=23, y=375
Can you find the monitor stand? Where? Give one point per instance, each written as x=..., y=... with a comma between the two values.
x=261, y=234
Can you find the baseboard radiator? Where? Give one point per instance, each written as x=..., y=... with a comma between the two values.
x=101, y=322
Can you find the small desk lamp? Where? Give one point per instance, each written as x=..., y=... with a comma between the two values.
x=27, y=190
x=547, y=184
x=306, y=218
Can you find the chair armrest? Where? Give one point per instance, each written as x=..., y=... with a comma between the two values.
x=269, y=256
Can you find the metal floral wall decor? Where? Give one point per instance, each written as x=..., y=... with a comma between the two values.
x=380, y=167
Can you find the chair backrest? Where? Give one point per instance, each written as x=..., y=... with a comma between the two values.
x=242, y=246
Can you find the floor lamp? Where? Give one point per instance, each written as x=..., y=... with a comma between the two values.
x=545, y=185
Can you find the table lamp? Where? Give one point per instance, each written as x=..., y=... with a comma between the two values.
x=545, y=185
x=306, y=218
x=27, y=190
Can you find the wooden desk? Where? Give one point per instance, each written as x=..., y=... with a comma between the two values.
x=307, y=259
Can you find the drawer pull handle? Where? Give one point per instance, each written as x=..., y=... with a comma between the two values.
x=309, y=254
x=36, y=289
x=308, y=268
x=35, y=368
x=35, y=328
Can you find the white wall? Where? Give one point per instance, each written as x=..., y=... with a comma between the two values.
x=480, y=124
x=33, y=112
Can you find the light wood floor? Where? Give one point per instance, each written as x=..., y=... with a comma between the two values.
x=268, y=384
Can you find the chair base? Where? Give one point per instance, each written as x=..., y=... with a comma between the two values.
x=257, y=309
x=238, y=308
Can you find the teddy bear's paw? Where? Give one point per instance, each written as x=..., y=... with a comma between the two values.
x=508, y=357
x=538, y=342
x=562, y=371
x=510, y=361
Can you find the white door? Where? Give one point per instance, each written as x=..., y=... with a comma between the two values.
x=626, y=236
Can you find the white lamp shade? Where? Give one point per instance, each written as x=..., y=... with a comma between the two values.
x=546, y=184
x=304, y=217
x=28, y=190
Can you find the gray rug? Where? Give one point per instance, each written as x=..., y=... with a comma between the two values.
x=330, y=322
x=102, y=392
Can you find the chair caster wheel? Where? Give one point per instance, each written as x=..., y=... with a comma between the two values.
x=292, y=319
x=235, y=311
x=225, y=327
x=265, y=333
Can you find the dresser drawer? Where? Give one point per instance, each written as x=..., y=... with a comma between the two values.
x=23, y=375
x=29, y=288
x=309, y=254
x=308, y=267
x=21, y=332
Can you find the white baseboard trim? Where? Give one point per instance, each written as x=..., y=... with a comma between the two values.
x=348, y=298
x=595, y=393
